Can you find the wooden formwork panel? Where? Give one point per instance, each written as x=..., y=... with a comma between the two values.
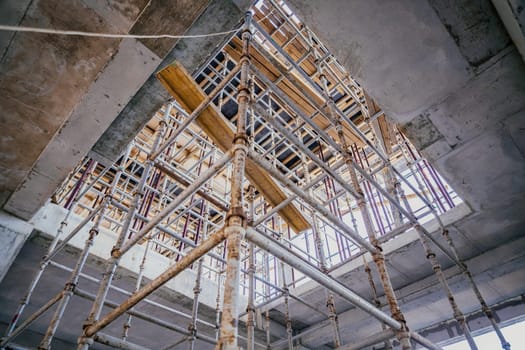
x=188, y=94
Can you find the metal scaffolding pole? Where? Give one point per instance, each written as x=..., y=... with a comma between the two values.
x=250, y=308
x=298, y=263
x=235, y=221
x=286, y=292
x=319, y=246
x=377, y=254
x=375, y=299
x=72, y=282
x=192, y=328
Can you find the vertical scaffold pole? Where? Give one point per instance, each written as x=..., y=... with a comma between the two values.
x=375, y=299
x=192, y=328
x=377, y=254
x=286, y=291
x=114, y=260
x=72, y=282
x=235, y=222
x=250, y=308
x=319, y=247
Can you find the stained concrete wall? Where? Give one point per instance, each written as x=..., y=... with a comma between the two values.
x=59, y=94
x=219, y=16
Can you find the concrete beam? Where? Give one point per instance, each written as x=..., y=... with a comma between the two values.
x=126, y=72
x=152, y=95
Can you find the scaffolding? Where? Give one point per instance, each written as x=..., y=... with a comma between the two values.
x=270, y=168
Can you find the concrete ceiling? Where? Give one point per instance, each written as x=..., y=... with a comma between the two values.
x=52, y=87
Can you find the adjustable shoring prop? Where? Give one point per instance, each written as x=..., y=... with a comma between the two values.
x=235, y=221
x=250, y=308
x=202, y=224
x=286, y=292
x=72, y=282
x=375, y=299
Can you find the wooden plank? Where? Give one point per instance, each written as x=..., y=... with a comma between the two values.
x=184, y=89
x=293, y=86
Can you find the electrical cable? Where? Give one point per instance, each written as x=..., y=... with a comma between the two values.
x=109, y=35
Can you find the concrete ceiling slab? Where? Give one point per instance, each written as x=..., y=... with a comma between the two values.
x=398, y=50
x=59, y=94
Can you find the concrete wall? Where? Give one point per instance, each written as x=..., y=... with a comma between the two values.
x=13, y=234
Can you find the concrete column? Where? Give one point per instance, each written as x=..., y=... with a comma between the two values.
x=13, y=234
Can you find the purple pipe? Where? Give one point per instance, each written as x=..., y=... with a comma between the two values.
x=79, y=183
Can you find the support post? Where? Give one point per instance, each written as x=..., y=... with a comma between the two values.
x=113, y=262
x=250, y=308
x=235, y=223
x=377, y=254
x=72, y=282
x=319, y=248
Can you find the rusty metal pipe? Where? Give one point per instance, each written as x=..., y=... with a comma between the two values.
x=236, y=218
x=345, y=229
x=117, y=343
x=149, y=288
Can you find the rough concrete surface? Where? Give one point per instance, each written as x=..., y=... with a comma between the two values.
x=398, y=50
x=42, y=78
x=152, y=95
x=49, y=82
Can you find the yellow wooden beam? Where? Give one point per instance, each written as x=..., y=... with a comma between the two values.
x=188, y=94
